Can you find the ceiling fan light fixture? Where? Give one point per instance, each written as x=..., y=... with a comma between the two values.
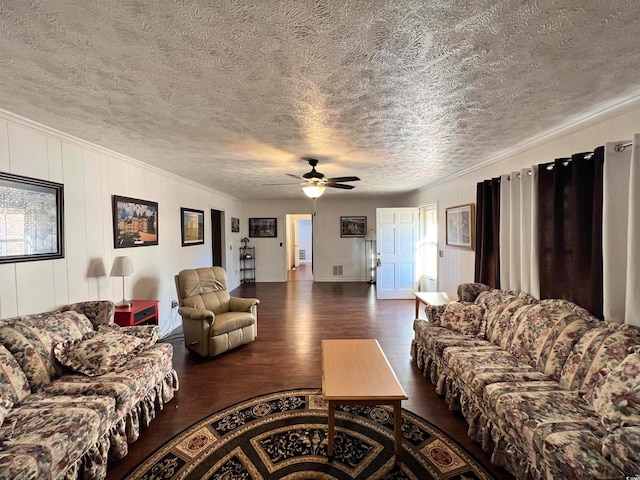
x=314, y=191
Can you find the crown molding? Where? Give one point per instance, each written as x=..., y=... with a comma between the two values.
x=601, y=113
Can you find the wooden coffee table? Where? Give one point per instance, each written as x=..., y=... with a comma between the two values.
x=357, y=372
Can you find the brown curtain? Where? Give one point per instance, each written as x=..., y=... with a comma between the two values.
x=488, y=232
x=570, y=220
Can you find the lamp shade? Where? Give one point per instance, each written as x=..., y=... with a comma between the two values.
x=122, y=267
x=313, y=191
x=371, y=235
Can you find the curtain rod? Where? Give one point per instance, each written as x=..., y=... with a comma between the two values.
x=621, y=146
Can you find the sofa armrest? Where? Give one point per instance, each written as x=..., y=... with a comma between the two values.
x=99, y=312
x=468, y=292
x=237, y=304
x=195, y=314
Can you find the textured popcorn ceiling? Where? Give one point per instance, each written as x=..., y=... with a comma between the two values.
x=231, y=94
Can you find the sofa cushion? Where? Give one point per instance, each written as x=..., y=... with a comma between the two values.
x=544, y=334
x=500, y=324
x=97, y=353
x=529, y=415
x=230, y=321
x=127, y=384
x=14, y=386
x=616, y=397
x=52, y=433
x=466, y=318
x=595, y=354
x=621, y=448
x=31, y=338
x=576, y=454
x=477, y=367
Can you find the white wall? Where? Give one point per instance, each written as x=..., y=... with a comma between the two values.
x=304, y=239
x=91, y=175
x=612, y=124
x=329, y=248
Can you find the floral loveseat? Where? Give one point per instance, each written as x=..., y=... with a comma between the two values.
x=58, y=423
x=549, y=390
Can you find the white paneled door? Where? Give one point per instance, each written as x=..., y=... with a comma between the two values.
x=397, y=240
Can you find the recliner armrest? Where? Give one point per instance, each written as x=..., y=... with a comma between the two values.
x=195, y=314
x=237, y=304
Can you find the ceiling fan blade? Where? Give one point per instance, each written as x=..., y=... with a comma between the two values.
x=343, y=179
x=294, y=176
x=340, y=185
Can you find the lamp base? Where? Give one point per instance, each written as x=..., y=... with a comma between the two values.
x=123, y=303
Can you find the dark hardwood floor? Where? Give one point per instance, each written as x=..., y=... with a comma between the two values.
x=292, y=319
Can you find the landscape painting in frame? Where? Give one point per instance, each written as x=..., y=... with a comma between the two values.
x=31, y=219
x=461, y=226
x=353, y=227
x=135, y=222
x=192, y=226
x=263, y=227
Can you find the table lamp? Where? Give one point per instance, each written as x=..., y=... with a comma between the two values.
x=122, y=267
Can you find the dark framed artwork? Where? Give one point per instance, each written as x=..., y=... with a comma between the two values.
x=31, y=219
x=263, y=227
x=353, y=227
x=235, y=224
x=460, y=224
x=135, y=222
x=191, y=226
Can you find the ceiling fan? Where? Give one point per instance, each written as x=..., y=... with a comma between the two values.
x=316, y=182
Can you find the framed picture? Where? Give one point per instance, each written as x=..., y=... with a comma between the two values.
x=235, y=224
x=352, y=227
x=461, y=223
x=31, y=219
x=135, y=222
x=263, y=227
x=191, y=226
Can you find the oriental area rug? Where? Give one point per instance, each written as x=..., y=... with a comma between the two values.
x=284, y=436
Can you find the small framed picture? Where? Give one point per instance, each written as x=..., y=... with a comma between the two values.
x=263, y=227
x=135, y=222
x=235, y=224
x=353, y=227
x=461, y=224
x=192, y=226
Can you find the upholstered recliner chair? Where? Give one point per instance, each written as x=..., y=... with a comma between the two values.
x=212, y=320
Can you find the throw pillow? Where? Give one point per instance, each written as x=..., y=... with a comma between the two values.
x=97, y=353
x=616, y=397
x=468, y=319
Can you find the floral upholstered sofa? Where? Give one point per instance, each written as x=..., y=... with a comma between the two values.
x=548, y=390
x=75, y=390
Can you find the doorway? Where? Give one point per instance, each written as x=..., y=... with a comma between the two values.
x=299, y=238
x=396, y=241
x=217, y=238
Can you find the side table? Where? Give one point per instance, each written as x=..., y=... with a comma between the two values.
x=141, y=312
x=432, y=298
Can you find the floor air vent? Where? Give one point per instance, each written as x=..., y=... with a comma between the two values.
x=337, y=270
